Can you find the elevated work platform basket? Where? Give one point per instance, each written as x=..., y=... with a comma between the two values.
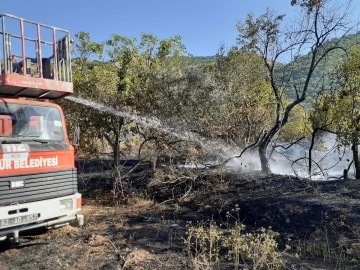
x=30, y=65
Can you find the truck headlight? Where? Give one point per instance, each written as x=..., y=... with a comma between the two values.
x=66, y=204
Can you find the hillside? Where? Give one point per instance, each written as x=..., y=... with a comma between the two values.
x=322, y=74
x=203, y=60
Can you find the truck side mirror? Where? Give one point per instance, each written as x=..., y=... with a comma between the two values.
x=76, y=134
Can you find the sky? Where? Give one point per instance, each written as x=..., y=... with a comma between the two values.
x=202, y=24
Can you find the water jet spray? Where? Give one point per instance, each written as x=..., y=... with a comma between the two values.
x=152, y=122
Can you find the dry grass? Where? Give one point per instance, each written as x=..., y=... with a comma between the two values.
x=66, y=230
x=137, y=257
x=11, y=252
x=210, y=247
x=134, y=206
x=331, y=246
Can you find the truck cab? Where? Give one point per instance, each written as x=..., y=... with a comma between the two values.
x=38, y=178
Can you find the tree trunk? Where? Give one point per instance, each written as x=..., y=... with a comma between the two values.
x=355, y=150
x=265, y=166
x=117, y=174
x=117, y=183
x=313, y=135
x=116, y=150
x=263, y=146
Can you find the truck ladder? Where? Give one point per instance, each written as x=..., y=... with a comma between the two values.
x=39, y=77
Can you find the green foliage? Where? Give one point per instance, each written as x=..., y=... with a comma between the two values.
x=228, y=99
x=255, y=31
x=124, y=74
x=152, y=78
x=322, y=114
x=346, y=106
x=246, y=103
x=339, y=111
x=299, y=125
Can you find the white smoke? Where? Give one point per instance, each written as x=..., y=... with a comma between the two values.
x=329, y=162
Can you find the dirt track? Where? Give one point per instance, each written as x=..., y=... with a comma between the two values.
x=147, y=233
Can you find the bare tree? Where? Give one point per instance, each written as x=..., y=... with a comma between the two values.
x=320, y=21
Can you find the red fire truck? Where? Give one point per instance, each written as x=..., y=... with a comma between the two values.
x=38, y=178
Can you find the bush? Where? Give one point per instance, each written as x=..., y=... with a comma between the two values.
x=209, y=246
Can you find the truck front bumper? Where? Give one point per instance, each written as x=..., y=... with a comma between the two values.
x=46, y=213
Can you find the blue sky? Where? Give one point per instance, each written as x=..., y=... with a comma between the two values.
x=202, y=24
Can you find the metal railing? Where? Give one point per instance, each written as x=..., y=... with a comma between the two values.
x=60, y=69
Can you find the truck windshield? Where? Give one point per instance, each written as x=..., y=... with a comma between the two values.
x=22, y=121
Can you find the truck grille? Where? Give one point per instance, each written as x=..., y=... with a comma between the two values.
x=37, y=187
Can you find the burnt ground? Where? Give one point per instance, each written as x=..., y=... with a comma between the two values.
x=319, y=221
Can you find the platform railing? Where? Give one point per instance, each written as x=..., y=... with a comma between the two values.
x=60, y=69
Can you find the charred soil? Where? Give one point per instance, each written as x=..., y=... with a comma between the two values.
x=318, y=222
